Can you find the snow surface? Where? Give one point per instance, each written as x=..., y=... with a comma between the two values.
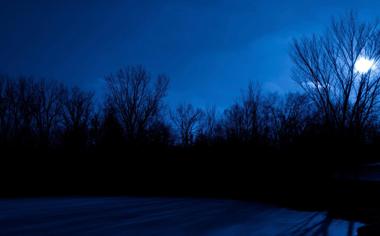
x=160, y=216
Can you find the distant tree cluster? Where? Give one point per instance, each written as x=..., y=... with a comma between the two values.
x=338, y=102
x=41, y=113
x=45, y=113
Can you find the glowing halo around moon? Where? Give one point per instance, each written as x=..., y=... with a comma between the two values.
x=364, y=64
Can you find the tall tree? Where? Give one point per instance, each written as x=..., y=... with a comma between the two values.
x=5, y=111
x=242, y=119
x=77, y=111
x=47, y=108
x=187, y=119
x=208, y=126
x=136, y=98
x=294, y=115
x=339, y=71
x=20, y=110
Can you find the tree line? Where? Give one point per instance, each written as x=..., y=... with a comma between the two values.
x=45, y=113
x=337, y=106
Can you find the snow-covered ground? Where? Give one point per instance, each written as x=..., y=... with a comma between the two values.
x=160, y=216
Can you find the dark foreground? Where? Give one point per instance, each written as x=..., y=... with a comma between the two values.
x=323, y=201
x=161, y=216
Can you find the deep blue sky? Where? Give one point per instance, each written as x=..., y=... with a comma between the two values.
x=209, y=49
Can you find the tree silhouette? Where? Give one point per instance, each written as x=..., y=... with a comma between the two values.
x=18, y=111
x=326, y=68
x=5, y=110
x=187, y=119
x=137, y=99
x=110, y=135
x=242, y=119
x=208, y=127
x=295, y=114
x=47, y=108
x=77, y=111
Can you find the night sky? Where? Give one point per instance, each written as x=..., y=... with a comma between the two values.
x=209, y=49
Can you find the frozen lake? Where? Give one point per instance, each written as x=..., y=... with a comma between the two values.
x=160, y=216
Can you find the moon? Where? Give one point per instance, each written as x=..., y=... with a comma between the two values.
x=363, y=65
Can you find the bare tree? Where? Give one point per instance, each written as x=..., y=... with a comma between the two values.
x=77, y=111
x=4, y=110
x=18, y=100
x=294, y=115
x=339, y=71
x=187, y=119
x=77, y=107
x=208, y=127
x=269, y=118
x=242, y=120
x=136, y=98
x=209, y=123
x=47, y=108
x=233, y=123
